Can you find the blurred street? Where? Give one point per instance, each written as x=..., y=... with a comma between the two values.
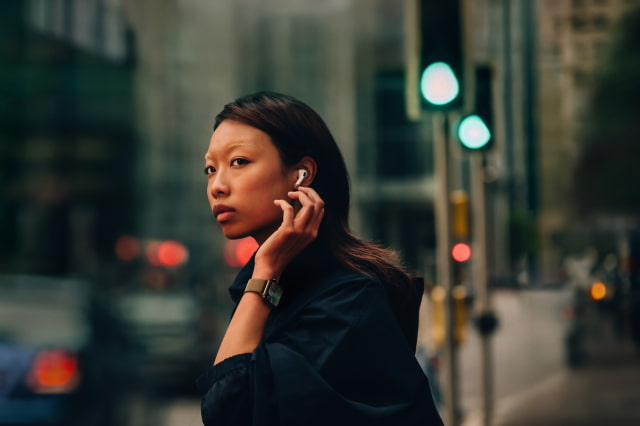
x=527, y=346
x=535, y=386
x=604, y=392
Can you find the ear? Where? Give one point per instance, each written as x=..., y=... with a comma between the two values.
x=309, y=165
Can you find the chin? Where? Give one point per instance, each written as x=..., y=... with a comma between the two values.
x=235, y=235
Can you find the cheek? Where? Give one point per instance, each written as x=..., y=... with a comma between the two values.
x=271, y=187
x=209, y=196
x=261, y=201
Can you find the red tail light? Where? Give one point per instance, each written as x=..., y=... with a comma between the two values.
x=54, y=371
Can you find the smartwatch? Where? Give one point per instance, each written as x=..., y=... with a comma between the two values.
x=269, y=290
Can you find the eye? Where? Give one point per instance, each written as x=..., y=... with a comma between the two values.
x=209, y=170
x=239, y=162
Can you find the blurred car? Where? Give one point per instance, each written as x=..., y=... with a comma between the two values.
x=173, y=335
x=61, y=358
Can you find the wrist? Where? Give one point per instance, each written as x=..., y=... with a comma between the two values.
x=265, y=273
x=267, y=266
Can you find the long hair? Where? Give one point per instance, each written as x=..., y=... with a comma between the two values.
x=296, y=130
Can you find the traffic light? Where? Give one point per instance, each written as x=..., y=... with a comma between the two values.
x=460, y=215
x=475, y=130
x=441, y=54
x=460, y=224
x=460, y=305
x=461, y=252
x=460, y=221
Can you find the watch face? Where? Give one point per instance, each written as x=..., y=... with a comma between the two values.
x=274, y=293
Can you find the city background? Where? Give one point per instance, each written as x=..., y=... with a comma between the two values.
x=106, y=110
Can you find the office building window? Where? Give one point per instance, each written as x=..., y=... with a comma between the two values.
x=578, y=22
x=580, y=78
x=402, y=152
x=600, y=23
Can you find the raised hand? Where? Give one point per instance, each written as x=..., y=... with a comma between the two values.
x=298, y=229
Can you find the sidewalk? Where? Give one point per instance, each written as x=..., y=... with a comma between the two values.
x=605, y=391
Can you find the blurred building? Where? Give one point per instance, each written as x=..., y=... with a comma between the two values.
x=574, y=36
x=66, y=136
x=109, y=106
x=140, y=82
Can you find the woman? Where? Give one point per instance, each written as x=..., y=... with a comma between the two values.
x=325, y=326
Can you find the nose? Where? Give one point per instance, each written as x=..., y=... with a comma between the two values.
x=218, y=186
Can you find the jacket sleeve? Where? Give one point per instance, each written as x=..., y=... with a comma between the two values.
x=225, y=386
x=340, y=359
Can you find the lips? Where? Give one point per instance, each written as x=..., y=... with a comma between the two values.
x=222, y=212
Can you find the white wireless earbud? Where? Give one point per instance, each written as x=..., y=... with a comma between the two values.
x=302, y=173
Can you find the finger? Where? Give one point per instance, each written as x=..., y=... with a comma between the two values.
x=303, y=217
x=301, y=197
x=311, y=194
x=305, y=191
x=287, y=212
x=308, y=211
x=308, y=197
x=312, y=226
x=318, y=219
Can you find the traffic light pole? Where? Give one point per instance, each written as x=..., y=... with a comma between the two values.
x=485, y=318
x=444, y=270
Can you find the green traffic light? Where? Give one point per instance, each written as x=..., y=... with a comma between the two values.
x=473, y=132
x=438, y=84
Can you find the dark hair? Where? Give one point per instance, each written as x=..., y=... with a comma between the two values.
x=297, y=131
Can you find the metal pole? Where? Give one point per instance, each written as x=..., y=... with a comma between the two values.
x=479, y=265
x=442, y=212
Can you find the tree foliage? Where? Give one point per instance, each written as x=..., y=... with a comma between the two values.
x=607, y=174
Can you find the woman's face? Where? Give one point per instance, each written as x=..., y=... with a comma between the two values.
x=244, y=176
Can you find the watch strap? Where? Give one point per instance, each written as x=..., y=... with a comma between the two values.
x=269, y=290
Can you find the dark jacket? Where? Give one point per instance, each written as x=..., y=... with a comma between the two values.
x=332, y=353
